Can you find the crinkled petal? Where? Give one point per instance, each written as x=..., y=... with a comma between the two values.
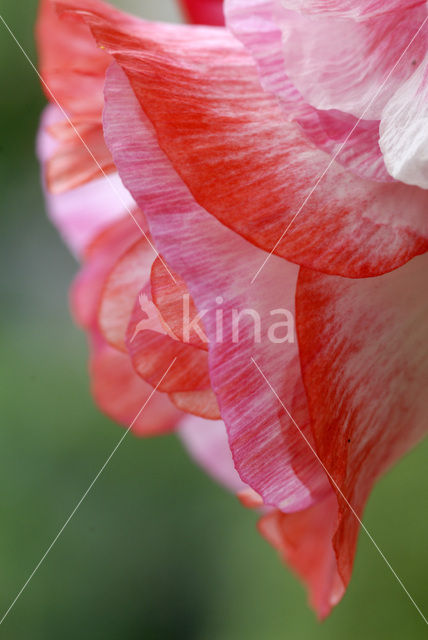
x=71, y=67
x=216, y=265
x=353, y=66
x=201, y=91
x=81, y=156
x=355, y=9
x=364, y=353
x=355, y=144
x=404, y=130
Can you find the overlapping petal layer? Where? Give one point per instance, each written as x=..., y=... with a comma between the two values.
x=213, y=119
x=116, y=387
x=352, y=142
x=193, y=133
x=320, y=56
x=269, y=454
x=83, y=211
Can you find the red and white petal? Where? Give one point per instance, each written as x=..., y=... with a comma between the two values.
x=82, y=212
x=352, y=66
x=212, y=118
x=217, y=265
x=404, y=130
x=364, y=353
x=355, y=144
x=355, y=9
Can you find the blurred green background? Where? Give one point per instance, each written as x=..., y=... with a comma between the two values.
x=157, y=550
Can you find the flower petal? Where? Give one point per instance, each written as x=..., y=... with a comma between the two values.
x=355, y=144
x=355, y=9
x=99, y=260
x=121, y=393
x=130, y=274
x=364, y=353
x=152, y=351
x=72, y=68
x=80, y=213
x=81, y=156
x=216, y=265
x=206, y=441
x=212, y=118
x=343, y=64
x=404, y=131
x=175, y=305
x=304, y=540
x=199, y=403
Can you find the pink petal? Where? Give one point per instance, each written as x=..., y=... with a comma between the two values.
x=404, y=134
x=355, y=9
x=216, y=263
x=339, y=63
x=84, y=211
x=364, y=352
x=223, y=123
x=206, y=441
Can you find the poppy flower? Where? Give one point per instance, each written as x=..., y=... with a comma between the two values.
x=259, y=174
